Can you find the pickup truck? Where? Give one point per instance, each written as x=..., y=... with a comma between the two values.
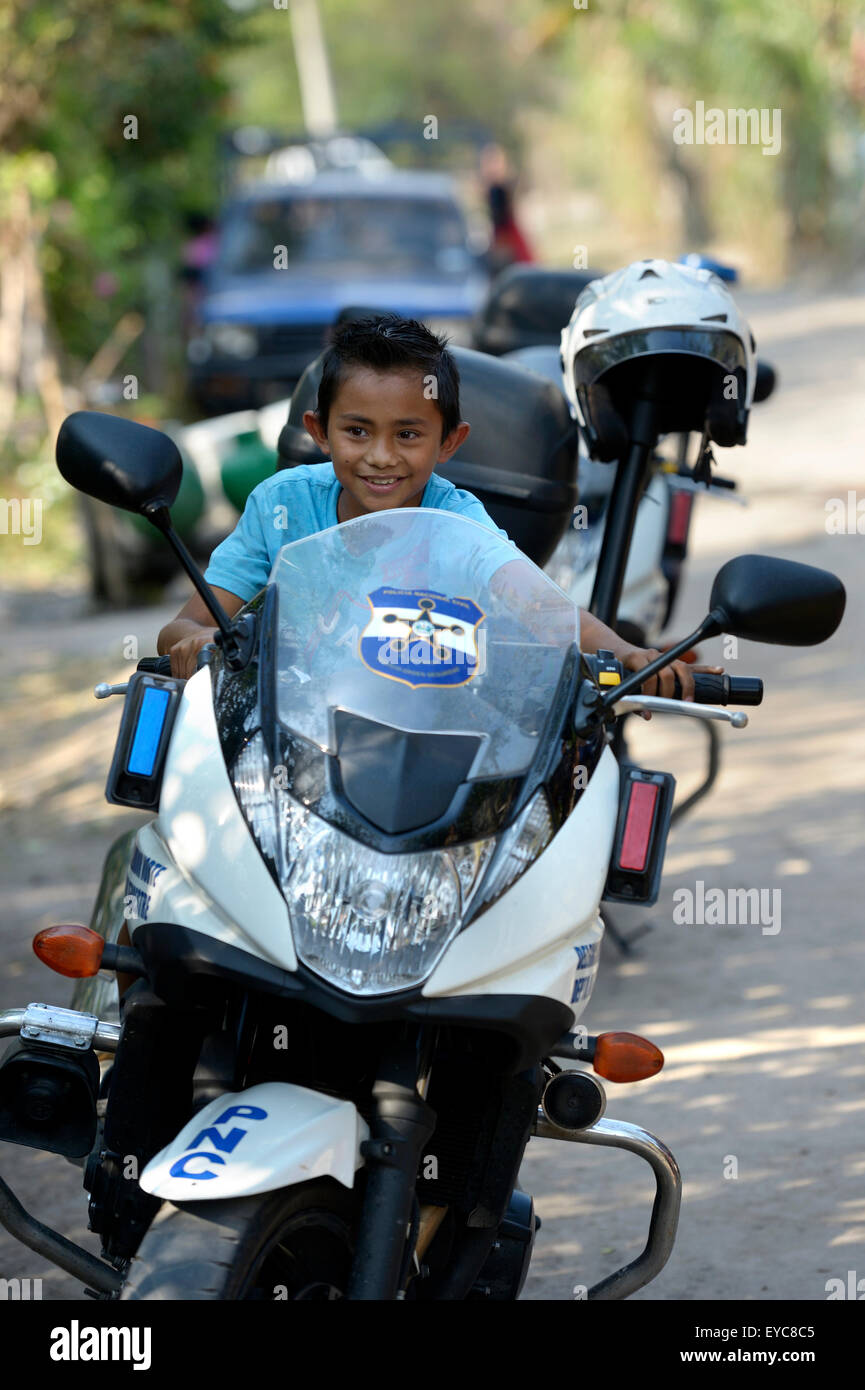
x=291, y=256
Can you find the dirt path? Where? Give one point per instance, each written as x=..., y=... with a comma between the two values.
x=763, y=1032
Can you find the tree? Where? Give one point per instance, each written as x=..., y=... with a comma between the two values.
x=633, y=62
x=109, y=119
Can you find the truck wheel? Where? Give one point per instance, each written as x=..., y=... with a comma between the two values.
x=122, y=571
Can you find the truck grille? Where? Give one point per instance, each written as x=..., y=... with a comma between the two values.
x=279, y=340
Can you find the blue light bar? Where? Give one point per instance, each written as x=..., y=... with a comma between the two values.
x=148, y=730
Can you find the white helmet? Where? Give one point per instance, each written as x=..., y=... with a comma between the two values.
x=676, y=322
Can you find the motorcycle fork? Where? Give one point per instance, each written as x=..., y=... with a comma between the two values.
x=400, y=1123
x=512, y=1128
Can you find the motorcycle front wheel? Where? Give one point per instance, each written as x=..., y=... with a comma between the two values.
x=294, y=1244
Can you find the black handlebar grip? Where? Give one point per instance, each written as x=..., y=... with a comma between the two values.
x=746, y=690
x=156, y=665
x=710, y=689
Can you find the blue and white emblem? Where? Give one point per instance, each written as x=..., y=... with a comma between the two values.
x=421, y=637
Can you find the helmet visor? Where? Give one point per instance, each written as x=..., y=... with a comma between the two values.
x=726, y=350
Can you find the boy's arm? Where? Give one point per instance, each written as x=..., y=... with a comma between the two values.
x=194, y=626
x=511, y=580
x=595, y=635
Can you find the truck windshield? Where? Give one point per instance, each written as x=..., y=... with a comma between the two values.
x=396, y=235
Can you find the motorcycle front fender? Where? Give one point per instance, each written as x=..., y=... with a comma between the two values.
x=269, y=1136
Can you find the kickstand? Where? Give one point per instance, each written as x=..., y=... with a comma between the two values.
x=624, y=944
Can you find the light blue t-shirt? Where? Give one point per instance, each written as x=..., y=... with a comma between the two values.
x=298, y=502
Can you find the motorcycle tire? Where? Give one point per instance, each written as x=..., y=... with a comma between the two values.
x=293, y=1244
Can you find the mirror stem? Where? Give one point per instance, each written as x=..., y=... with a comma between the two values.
x=237, y=638
x=159, y=517
x=709, y=627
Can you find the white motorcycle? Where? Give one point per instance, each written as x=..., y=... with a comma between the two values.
x=364, y=918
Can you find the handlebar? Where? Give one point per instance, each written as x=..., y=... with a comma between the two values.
x=161, y=665
x=710, y=689
x=156, y=665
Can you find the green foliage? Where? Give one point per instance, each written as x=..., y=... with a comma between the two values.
x=583, y=97
x=74, y=78
x=639, y=60
x=459, y=60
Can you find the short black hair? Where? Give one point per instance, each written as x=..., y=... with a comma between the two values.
x=387, y=342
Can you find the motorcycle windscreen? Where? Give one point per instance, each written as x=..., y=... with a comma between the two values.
x=424, y=621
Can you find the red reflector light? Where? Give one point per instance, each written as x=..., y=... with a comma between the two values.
x=680, y=516
x=626, y=1057
x=638, y=826
x=70, y=950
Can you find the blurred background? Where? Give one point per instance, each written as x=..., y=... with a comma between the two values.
x=191, y=192
x=155, y=154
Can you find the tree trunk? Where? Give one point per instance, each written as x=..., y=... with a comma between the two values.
x=13, y=294
x=46, y=369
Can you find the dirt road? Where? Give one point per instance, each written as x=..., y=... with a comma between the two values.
x=762, y=1095
x=762, y=1098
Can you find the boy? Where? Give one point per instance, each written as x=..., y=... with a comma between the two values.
x=388, y=412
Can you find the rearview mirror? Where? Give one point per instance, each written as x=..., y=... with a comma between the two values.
x=118, y=461
x=781, y=602
x=755, y=597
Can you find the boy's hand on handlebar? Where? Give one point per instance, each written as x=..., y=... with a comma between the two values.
x=184, y=654
x=664, y=683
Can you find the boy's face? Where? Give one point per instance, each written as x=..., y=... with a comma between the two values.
x=385, y=439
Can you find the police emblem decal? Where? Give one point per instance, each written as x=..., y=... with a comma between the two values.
x=421, y=637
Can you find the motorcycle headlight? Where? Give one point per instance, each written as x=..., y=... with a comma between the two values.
x=371, y=923
x=520, y=846
x=374, y=922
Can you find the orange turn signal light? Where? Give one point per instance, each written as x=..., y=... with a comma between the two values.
x=626, y=1057
x=70, y=950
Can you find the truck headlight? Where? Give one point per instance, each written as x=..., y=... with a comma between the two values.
x=232, y=339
